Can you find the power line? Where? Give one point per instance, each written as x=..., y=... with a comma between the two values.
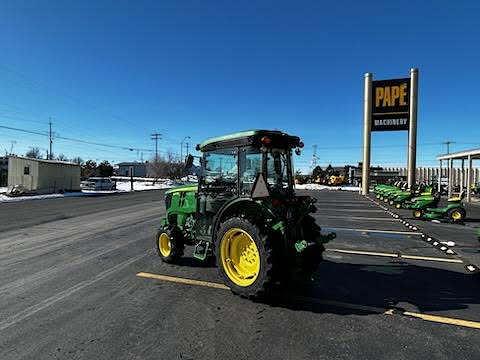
x=47, y=134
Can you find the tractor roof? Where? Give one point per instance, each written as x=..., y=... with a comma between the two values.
x=249, y=137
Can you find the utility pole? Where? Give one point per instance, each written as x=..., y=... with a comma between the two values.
x=181, y=147
x=156, y=137
x=448, y=145
x=314, y=157
x=187, y=145
x=13, y=142
x=50, y=155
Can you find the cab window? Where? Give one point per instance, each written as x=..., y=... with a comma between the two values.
x=250, y=161
x=220, y=168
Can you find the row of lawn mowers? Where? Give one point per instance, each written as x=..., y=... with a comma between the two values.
x=423, y=200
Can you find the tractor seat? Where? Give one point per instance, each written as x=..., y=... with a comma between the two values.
x=457, y=198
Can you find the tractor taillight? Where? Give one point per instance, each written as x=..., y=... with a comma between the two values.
x=266, y=140
x=276, y=202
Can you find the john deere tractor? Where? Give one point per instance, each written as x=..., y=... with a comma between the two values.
x=244, y=212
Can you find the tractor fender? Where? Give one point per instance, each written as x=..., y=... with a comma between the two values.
x=239, y=206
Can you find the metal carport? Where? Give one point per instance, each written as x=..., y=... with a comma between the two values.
x=468, y=155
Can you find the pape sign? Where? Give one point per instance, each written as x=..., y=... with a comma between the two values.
x=391, y=104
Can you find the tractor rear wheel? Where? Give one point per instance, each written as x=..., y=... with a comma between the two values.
x=456, y=215
x=244, y=257
x=169, y=244
x=311, y=257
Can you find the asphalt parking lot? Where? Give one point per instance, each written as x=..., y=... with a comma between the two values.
x=85, y=283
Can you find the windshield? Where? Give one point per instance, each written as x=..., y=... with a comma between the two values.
x=220, y=167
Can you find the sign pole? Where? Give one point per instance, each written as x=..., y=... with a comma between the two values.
x=367, y=133
x=412, y=129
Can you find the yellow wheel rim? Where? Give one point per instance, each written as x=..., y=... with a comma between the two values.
x=164, y=244
x=456, y=215
x=418, y=214
x=240, y=257
x=398, y=206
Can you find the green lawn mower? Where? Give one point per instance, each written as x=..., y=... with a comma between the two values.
x=399, y=199
x=380, y=188
x=384, y=193
x=454, y=211
x=245, y=214
x=420, y=203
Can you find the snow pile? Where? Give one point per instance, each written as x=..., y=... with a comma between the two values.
x=5, y=198
x=123, y=186
x=3, y=190
x=325, y=187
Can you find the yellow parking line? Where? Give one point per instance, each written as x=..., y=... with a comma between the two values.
x=360, y=252
x=414, y=257
x=377, y=310
x=182, y=280
x=391, y=255
x=444, y=320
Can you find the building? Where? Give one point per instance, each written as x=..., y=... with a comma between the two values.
x=139, y=169
x=378, y=175
x=41, y=176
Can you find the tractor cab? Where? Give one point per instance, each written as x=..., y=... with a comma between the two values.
x=251, y=164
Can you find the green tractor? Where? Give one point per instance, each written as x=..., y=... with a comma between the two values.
x=453, y=212
x=245, y=213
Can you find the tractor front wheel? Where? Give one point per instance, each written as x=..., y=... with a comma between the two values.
x=456, y=215
x=418, y=214
x=169, y=244
x=244, y=257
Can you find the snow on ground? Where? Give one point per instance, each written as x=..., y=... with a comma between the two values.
x=325, y=187
x=5, y=198
x=122, y=187
x=3, y=190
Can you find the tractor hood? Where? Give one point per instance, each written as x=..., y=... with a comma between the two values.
x=183, y=188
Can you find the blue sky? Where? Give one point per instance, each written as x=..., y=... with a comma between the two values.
x=115, y=71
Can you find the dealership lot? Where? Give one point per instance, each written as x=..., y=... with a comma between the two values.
x=79, y=279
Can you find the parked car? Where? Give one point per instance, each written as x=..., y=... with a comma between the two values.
x=98, y=183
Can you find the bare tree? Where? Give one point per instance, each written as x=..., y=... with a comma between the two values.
x=62, y=157
x=165, y=167
x=34, y=153
x=77, y=160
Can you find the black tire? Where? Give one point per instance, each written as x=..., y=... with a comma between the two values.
x=418, y=213
x=264, y=280
x=311, y=257
x=176, y=244
x=454, y=219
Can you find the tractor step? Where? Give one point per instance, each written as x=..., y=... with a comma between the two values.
x=202, y=250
